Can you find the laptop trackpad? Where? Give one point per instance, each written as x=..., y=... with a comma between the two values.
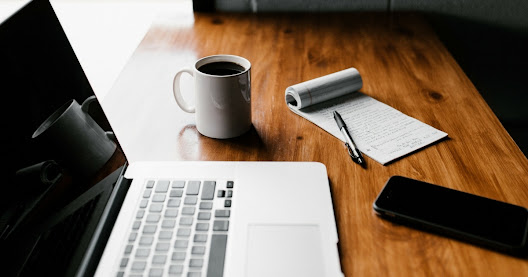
x=284, y=250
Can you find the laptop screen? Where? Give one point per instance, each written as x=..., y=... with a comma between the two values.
x=40, y=74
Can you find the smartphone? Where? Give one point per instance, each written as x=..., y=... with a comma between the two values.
x=475, y=219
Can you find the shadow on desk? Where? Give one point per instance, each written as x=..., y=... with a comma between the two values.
x=240, y=147
x=394, y=224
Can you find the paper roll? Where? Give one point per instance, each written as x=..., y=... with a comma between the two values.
x=324, y=88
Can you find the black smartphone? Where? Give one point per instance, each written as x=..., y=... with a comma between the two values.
x=483, y=221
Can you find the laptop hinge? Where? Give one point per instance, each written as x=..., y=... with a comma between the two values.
x=104, y=227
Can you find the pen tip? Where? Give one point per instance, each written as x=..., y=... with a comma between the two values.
x=362, y=163
x=337, y=116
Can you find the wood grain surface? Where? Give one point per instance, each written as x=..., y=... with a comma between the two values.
x=403, y=64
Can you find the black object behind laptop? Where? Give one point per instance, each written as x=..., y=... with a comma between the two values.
x=49, y=216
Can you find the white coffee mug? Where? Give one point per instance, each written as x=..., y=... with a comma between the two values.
x=222, y=85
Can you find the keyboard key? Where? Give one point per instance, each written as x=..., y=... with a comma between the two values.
x=171, y=213
x=176, y=193
x=221, y=225
x=146, y=240
x=174, y=202
x=139, y=265
x=128, y=249
x=178, y=256
x=181, y=243
x=178, y=184
x=153, y=218
x=140, y=214
x=230, y=184
x=204, y=215
x=168, y=223
x=194, y=274
x=162, y=246
x=165, y=235
x=202, y=226
x=175, y=269
x=124, y=262
x=198, y=263
x=186, y=221
x=206, y=205
x=229, y=193
x=147, y=193
x=222, y=213
x=198, y=250
x=200, y=238
x=136, y=225
x=217, y=255
x=159, y=259
x=155, y=207
x=221, y=193
x=143, y=203
x=184, y=232
x=162, y=186
x=150, y=184
x=208, y=190
x=132, y=237
x=159, y=197
x=155, y=272
x=190, y=200
x=227, y=203
x=188, y=210
x=142, y=252
x=149, y=229
x=193, y=187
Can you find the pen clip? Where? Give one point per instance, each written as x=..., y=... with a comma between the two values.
x=350, y=151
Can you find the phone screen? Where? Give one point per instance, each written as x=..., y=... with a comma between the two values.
x=482, y=219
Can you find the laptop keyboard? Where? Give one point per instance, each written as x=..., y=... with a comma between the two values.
x=180, y=229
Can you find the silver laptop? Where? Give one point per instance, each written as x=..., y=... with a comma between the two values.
x=148, y=218
x=224, y=219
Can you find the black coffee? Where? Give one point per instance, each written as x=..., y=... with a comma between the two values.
x=221, y=68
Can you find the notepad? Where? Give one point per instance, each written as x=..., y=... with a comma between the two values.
x=379, y=131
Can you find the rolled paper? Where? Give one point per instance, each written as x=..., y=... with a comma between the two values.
x=324, y=88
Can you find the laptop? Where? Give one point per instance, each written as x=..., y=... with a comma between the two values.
x=144, y=218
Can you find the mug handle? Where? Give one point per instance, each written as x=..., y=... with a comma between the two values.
x=177, y=91
x=111, y=135
x=86, y=104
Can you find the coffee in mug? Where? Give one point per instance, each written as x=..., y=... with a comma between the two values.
x=221, y=68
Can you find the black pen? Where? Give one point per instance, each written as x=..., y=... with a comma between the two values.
x=349, y=143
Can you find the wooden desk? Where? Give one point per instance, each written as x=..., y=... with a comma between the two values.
x=402, y=63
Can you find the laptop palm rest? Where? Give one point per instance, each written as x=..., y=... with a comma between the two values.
x=272, y=249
